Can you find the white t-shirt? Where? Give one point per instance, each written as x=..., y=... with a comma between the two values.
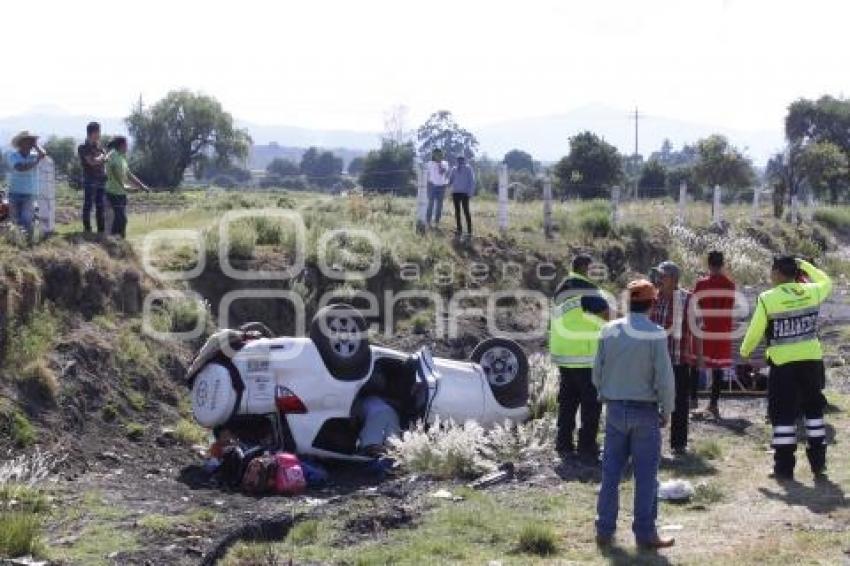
x=438, y=172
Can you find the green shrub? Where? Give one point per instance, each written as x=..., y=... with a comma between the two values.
x=33, y=339
x=19, y=534
x=536, y=539
x=189, y=433
x=270, y=231
x=15, y=425
x=109, y=412
x=443, y=450
x=836, y=218
x=305, y=532
x=135, y=431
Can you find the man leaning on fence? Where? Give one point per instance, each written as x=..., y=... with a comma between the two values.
x=23, y=180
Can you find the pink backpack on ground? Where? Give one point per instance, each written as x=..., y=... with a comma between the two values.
x=289, y=478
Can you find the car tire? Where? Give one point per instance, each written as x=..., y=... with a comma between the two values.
x=340, y=334
x=506, y=367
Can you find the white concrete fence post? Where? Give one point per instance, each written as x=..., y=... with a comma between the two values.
x=795, y=209
x=716, y=213
x=503, y=197
x=615, y=206
x=547, y=206
x=421, y=196
x=683, y=201
x=46, y=197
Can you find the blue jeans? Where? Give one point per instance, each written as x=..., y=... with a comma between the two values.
x=22, y=211
x=436, y=194
x=633, y=430
x=93, y=196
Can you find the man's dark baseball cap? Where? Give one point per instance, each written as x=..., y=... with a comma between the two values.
x=715, y=258
x=582, y=261
x=786, y=265
x=92, y=127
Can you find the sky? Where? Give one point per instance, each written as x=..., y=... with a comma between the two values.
x=341, y=64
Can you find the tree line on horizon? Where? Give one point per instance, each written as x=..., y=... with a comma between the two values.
x=188, y=131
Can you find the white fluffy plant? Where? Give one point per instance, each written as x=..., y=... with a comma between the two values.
x=519, y=443
x=28, y=469
x=444, y=449
x=543, y=386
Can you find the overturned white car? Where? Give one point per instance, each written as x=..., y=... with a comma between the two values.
x=304, y=389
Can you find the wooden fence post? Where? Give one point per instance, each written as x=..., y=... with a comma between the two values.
x=503, y=197
x=683, y=201
x=547, y=206
x=421, y=196
x=716, y=213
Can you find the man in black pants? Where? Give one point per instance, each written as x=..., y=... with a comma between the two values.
x=579, y=312
x=93, y=160
x=670, y=311
x=462, y=180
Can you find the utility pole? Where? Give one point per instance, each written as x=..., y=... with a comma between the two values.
x=636, y=117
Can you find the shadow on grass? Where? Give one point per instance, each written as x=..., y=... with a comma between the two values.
x=689, y=465
x=620, y=556
x=824, y=497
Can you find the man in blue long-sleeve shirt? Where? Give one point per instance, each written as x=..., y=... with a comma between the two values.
x=634, y=377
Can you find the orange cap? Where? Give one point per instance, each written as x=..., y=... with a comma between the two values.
x=642, y=290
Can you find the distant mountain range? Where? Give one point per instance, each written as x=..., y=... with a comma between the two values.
x=545, y=137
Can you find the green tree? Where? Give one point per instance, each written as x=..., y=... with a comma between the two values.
x=63, y=152
x=518, y=160
x=321, y=168
x=810, y=123
x=592, y=167
x=824, y=166
x=722, y=164
x=282, y=167
x=441, y=131
x=389, y=168
x=653, y=175
x=181, y=130
x=355, y=167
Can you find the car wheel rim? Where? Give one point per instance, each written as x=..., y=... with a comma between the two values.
x=344, y=337
x=500, y=365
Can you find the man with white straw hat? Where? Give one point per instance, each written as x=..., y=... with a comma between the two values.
x=23, y=179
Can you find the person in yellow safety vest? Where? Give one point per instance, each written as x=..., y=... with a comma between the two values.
x=578, y=315
x=786, y=316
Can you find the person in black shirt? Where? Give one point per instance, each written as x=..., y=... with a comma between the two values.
x=93, y=160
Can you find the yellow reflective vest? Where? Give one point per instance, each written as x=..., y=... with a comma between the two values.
x=574, y=333
x=786, y=316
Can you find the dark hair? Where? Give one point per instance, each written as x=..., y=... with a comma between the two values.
x=116, y=142
x=639, y=306
x=581, y=262
x=786, y=265
x=92, y=128
x=715, y=258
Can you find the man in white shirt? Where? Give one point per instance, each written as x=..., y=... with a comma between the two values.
x=438, y=180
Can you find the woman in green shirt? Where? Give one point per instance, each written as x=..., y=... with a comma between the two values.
x=119, y=179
